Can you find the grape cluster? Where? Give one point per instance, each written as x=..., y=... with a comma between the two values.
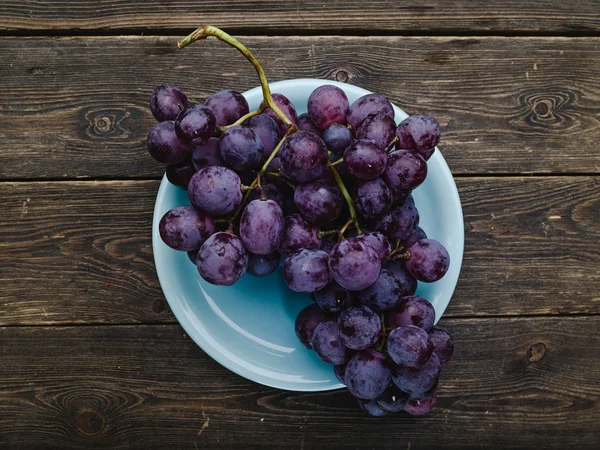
x=328, y=199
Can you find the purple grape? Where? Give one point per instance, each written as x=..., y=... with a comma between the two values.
x=367, y=104
x=270, y=191
x=417, y=235
x=222, y=259
x=418, y=133
x=428, y=154
x=372, y=198
x=286, y=108
x=197, y=123
x=365, y=159
x=392, y=400
x=298, y=234
x=421, y=407
x=378, y=127
x=409, y=346
x=208, y=154
x=193, y=256
x=340, y=373
x=318, y=201
x=360, y=327
x=354, y=264
x=263, y=265
x=306, y=322
x=241, y=148
x=371, y=407
x=261, y=226
x=307, y=270
x=382, y=295
x=443, y=344
x=303, y=157
x=405, y=170
x=405, y=219
x=333, y=298
x=412, y=310
x=327, y=104
x=305, y=124
x=165, y=146
x=407, y=282
x=267, y=130
x=328, y=345
x=337, y=138
x=368, y=374
x=227, y=106
x=184, y=228
x=167, y=102
x=215, y=190
x=417, y=381
x=399, y=196
x=181, y=174
x=428, y=261
x=379, y=242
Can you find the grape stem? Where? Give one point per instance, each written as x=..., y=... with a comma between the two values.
x=399, y=254
x=347, y=197
x=278, y=175
x=336, y=162
x=325, y=233
x=393, y=142
x=344, y=228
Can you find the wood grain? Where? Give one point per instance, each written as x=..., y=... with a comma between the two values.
x=81, y=252
x=77, y=107
x=349, y=16
x=509, y=385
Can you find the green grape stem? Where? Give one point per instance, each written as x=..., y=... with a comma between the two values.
x=347, y=197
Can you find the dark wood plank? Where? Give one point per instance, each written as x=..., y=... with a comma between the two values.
x=77, y=107
x=306, y=15
x=80, y=252
x=514, y=383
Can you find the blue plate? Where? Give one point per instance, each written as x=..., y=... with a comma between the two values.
x=249, y=327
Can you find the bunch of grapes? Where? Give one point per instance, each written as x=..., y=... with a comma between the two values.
x=326, y=195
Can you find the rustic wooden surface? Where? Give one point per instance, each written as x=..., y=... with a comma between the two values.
x=90, y=354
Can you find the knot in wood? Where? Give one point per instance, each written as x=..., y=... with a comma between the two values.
x=536, y=352
x=90, y=422
x=342, y=76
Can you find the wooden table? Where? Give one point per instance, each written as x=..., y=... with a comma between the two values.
x=90, y=354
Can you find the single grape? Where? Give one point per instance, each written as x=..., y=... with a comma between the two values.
x=318, y=201
x=412, y=310
x=261, y=226
x=421, y=407
x=327, y=104
x=360, y=327
x=193, y=256
x=165, y=146
x=267, y=130
x=443, y=344
x=354, y=264
x=286, y=108
x=337, y=138
x=303, y=157
x=372, y=198
x=417, y=235
x=298, y=234
x=418, y=133
x=392, y=400
x=371, y=407
x=382, y=295
x=408, y=283
x=215, y=190
x=417, y=381
x=377, y=127
x=263, y=265
x=197, y=123
x=270, y=191
x=208, y=154
x=222, y=259
x=184, y=228
x=405, y=219
x=305, y=124
x=241, y=148
x=365, y=159
x=368, y=374
x=379, y=242
x=227, y=106
x=328, y=345
x=306, y=322
x=333, y=298
x=367, y=104
x=428, y=260
x=181, y=174
x=409, y=346
x=307, y=270
x=167, y=102
x=340, y=373
x=405, y=170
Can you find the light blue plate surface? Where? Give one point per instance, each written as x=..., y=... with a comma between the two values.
x=249, y=327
